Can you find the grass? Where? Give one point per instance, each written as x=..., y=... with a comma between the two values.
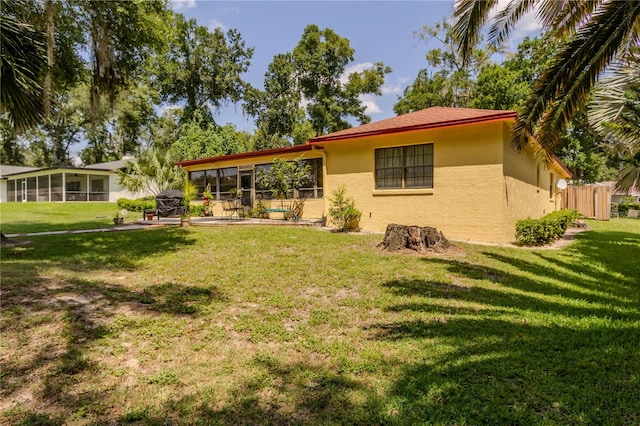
x=276, y=325
x=18, y=218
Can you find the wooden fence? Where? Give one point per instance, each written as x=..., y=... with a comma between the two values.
x=593, y=201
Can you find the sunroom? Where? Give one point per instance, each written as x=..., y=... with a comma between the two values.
x=236, y=175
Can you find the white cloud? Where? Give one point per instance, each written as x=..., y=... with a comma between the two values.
x=370, y=104
x=230, y=10
x=183, y=4
x=344, y=78
x=213, y=24
x=391, y=89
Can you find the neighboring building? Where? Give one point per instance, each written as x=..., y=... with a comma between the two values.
x=618, y=196
x=96, y=182
x=452, y=168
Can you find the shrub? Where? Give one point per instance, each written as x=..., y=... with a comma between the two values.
x=136, y=205
x=199, y=210
x=343, y=210
x=623, y=208
x=537, y=232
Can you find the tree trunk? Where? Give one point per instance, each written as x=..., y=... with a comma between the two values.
x=46, y=92
x=420, y=239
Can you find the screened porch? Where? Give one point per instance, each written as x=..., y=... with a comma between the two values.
x=61, y=186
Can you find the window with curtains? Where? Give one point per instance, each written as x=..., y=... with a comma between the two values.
x=404, y=167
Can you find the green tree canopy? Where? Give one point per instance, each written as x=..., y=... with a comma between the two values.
x=321, y=58
x=202, y=69
x=448, y=79
x=309, y=91
x=201, y=139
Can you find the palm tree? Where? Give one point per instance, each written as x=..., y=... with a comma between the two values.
x=23, y=60
x=615, y=114
x=593, y=35
x=153, y=171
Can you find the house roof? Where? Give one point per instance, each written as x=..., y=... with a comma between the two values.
x=634, y=191
x=252, y=154
x=6, y=170
x=110, y=165
x=428, y=118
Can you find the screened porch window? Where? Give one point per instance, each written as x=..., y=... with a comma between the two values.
x=262, y=192
x=314, y=188
x=198, y=179
x=404, y=167
x=228, y=180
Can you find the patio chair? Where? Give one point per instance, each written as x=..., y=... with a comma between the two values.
x=232, y=207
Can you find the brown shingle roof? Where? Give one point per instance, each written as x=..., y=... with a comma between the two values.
x=424, y=119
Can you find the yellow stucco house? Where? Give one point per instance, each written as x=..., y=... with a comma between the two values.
x=451, y=168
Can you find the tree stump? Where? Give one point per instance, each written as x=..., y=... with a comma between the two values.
x=420, y=239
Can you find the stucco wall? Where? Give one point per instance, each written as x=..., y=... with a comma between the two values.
x=3, y=191
x=116, y=191
x=527, y=192
x=465, y=202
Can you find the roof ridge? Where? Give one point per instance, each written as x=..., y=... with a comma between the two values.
x=432, y=117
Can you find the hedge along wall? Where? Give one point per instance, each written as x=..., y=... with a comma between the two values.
x=537, y=232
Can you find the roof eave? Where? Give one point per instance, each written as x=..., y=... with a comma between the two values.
x=245, y=155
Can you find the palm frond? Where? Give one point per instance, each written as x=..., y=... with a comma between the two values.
x=153, y=171
x=629, y=176
x=563, y=88
x=507, y=18
x=471, y=16
x=610, y=101
x=565, y=17
x=23, y=60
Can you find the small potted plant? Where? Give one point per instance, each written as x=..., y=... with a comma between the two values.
x=188, y=193
x=119, y=217
x=207, y=197
x=148, y=207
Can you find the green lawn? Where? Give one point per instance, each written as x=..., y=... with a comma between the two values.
x=19, y=218
x=277, y=325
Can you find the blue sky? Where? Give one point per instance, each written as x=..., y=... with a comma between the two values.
x=379, y=31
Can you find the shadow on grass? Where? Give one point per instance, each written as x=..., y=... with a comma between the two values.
x=82, y=307
x=111, y=250
x=311, y=396
x=510, y=372
x=534, y=338
x=542, y=337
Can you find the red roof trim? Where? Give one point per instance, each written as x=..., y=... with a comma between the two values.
x=497, y=117
x=252, y=154
x=562, y=166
